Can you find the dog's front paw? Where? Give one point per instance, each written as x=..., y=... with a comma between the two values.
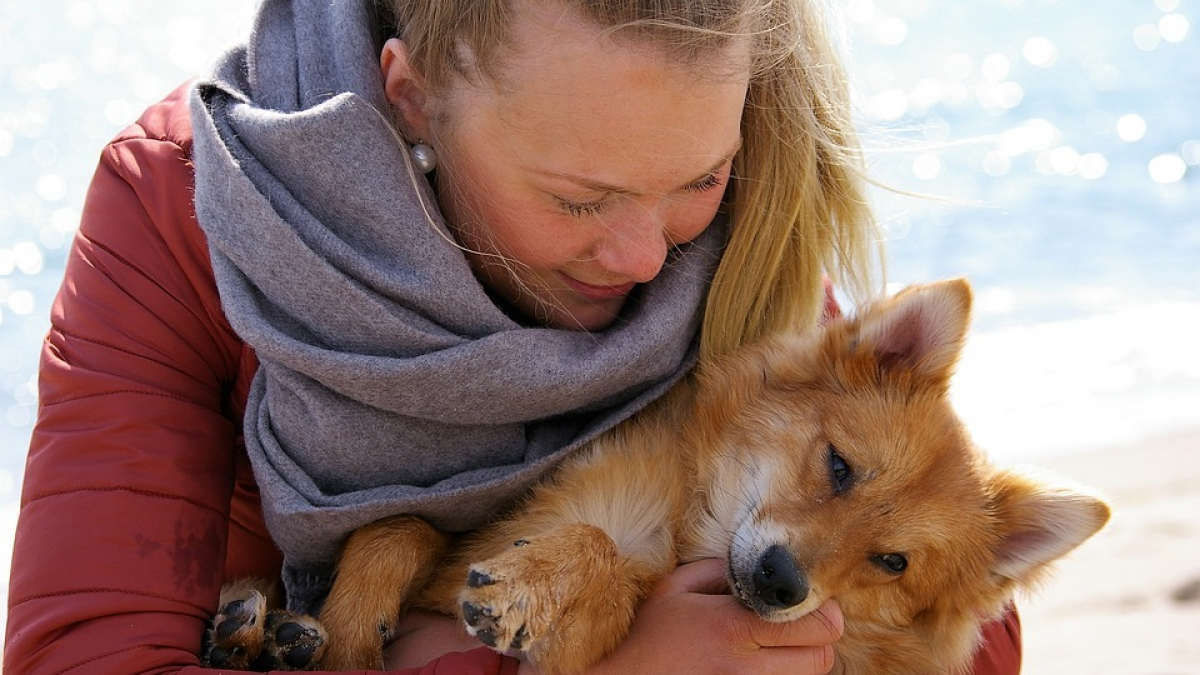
x=503, y=596
x=545, y=595
x=235, y=638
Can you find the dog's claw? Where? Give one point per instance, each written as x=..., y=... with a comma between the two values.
x=520, y=641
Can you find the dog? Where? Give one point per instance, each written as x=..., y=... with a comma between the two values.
x=817, y=466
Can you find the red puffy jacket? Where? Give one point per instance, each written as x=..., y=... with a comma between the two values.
x=138, y=499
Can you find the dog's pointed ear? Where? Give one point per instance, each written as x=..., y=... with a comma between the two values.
x=1039, y=523
x=922, y=327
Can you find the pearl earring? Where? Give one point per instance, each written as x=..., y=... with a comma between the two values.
x=424, y=157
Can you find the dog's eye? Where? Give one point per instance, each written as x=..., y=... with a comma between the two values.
x=840, y=472
x=892, y=562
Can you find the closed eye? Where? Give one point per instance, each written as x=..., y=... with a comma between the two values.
x=841, y=474
x=581, y=209
x=709, y=182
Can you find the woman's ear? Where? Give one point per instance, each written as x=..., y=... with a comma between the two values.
x=405, y=90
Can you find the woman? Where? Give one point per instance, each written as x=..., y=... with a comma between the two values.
x=406, y=265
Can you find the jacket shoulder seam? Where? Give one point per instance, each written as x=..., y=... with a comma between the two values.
x=136, y=491
x=111, y=392
x=86, y=591
x=128, y=136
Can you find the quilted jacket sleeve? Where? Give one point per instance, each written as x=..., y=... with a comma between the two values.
x=121, y=539
x=137, y=501
x=1000, y=653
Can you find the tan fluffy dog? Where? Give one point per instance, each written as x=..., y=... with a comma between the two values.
x=821, y=466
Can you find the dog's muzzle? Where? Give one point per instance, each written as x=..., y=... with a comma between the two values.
x=770, y=583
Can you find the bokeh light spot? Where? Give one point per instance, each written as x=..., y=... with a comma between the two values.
x=1040, y=52
x=1131, y=127
x=21, y=302
x=1167, y=169
x=1190, y=152
x=927, y=166
x=1173, y=27
x=995, y=67
x=1146, y=37
x=1092, y=166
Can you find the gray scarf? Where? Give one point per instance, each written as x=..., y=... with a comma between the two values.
x=390, y=382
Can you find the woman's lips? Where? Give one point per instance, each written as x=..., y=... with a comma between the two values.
x=598, y=293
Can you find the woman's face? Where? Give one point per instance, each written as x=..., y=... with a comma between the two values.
x=568, y=182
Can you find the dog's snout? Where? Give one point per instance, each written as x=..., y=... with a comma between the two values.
x=779, y=582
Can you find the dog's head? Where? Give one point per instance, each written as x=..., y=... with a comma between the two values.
x=837, y=468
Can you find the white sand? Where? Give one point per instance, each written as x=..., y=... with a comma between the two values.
x=1128, y=601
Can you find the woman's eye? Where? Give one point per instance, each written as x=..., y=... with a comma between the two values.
x=709, y=182
x=580, y=209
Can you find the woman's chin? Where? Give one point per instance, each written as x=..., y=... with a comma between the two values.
x=589, y=316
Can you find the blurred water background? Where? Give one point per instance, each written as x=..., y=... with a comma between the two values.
x=1062, y=138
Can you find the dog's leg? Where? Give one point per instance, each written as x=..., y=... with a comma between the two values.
x=379, y=568
x=562, y=578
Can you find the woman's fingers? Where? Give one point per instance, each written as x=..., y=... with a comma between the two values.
x=821, y=627
x=706, y=576
x=705, y=630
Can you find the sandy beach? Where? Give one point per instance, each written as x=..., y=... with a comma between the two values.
x=1128, y=601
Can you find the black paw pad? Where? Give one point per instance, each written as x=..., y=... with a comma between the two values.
x=482, y=622
x=299, y=657
x=487, y=636
x=288, y=633
x=228, y=627
x=477, y=579
x=472, y=614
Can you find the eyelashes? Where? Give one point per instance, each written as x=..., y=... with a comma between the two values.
x=579, y=209
x=709, y=182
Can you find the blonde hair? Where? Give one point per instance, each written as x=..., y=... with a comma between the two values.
x=798, y=204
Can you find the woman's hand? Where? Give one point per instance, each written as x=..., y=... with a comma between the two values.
x=423, y=636
x=689, y=625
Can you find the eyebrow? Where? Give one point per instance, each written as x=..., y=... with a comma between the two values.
x=598, y=186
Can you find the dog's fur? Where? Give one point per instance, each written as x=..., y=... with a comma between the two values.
x=821, y=466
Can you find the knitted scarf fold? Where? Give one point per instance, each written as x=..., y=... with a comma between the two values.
x=389, y=382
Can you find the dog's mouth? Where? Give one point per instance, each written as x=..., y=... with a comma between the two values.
x=735, y=583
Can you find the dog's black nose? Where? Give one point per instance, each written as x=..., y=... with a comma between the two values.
x=779, y=582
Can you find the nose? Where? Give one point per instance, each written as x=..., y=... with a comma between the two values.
x=779, y=582
x=634, y=246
